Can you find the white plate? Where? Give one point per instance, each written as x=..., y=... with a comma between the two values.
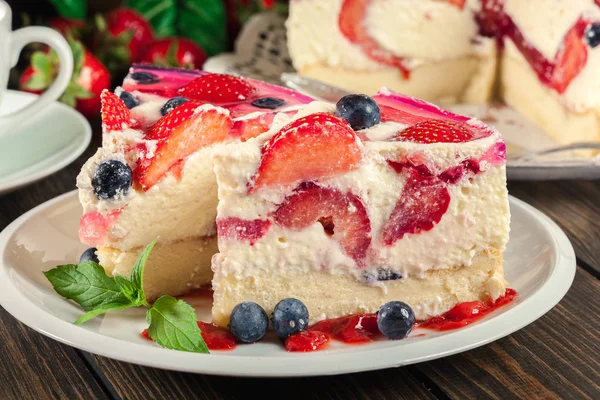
x=41, y=146
x=261, y=53
x=539, y=263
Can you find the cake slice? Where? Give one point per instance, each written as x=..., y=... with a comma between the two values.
x=540, y=57
x=346, y=208
x=431, y=49
x=153, y=177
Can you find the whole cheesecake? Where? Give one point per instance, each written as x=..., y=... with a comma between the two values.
x=539, y=56
x=268, y=194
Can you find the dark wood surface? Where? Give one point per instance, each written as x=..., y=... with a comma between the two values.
x=556, y=357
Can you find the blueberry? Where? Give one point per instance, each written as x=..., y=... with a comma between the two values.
x=592, y=35
x=129, y=99
x=248, y=322
x=289, y=316
x=144, y=78
x=172, y=104
x=110, y=179
x=89, y=255
x=268, y=102
x=359, y=110
x=395, y=319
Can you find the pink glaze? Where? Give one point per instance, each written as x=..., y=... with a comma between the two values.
x=93, y=227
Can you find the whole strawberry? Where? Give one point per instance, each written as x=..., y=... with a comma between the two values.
x=174, y=52
x=121, y=37
x=89, y=78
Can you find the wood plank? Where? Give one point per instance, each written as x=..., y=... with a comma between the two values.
x=575, y=206
x=33, y=366
x=556, y=357
x=136, y=382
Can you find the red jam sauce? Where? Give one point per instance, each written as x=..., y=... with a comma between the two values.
x=216, y=338
x=357, y=329
x=464, y=314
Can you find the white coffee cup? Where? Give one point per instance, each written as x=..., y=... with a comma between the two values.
x=11, y=44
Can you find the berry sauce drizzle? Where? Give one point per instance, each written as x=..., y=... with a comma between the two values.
x=360, y=329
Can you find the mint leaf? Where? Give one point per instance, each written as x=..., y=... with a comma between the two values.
x=173, y=325
x=118, y=304
x=129, y=290
x=86, y=283
x=137, y=273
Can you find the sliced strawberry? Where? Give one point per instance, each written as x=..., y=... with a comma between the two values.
x=571, y=57
x=115, y=114
x=182, y=139
x=218, y=89
x=423, y=203
x=352, y=24
x=241, y=229
x=249, y=128
x=314, y=147
x=343, y=216
x=180, y=115
x=435, y=131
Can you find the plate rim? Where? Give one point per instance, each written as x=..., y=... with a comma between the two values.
x=291, y=365
x=86, y=134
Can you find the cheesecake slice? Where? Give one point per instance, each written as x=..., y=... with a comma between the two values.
x=153, y=176
x=431, y=49
x=346, y=215
x=540, y=57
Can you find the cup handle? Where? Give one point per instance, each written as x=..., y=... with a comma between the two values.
x=52, y=38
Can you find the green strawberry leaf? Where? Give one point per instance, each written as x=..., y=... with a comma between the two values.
x=204, y=22
x=87, y=284
x=160, y=13
x=74, y=9
x=173, y=325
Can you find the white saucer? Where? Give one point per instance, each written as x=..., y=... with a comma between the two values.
x=539, y=264
x=42, y=145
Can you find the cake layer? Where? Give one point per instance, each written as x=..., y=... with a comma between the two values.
x=521, y=89
x=330, y=296
x=172, y=268
x=472, y=79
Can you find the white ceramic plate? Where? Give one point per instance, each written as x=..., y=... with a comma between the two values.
x=539, y=263
x=42, y=145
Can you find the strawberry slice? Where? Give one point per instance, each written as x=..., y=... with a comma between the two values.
x=571, y=57
x=435, y=131
x=241, y=229
x=218, y=89
x=180, y=115
x=183, y=138
x=343, y=216
x=115, y=114
x=423, y=203
x=352, y=25
x=314, y=147
x=247, y=129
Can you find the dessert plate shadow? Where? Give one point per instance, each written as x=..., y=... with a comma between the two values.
x=539, y=264
x=42, y=145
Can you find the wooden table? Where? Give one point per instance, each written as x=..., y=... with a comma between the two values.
x=557, y=356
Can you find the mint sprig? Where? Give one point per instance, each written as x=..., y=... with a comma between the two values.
x=172, y=322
